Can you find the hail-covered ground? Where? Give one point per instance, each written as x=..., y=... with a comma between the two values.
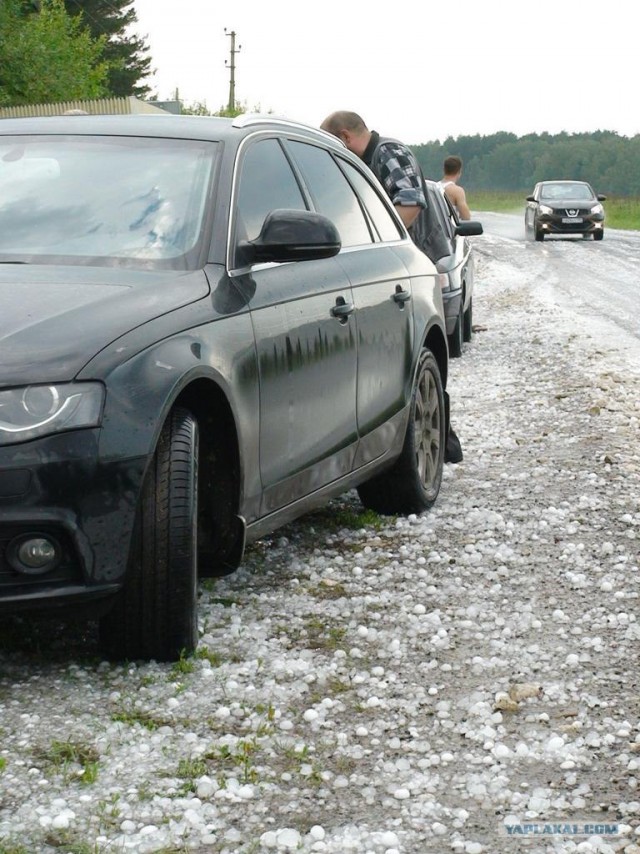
x=462, y=681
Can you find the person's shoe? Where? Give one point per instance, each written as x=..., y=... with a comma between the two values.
x=453, y=448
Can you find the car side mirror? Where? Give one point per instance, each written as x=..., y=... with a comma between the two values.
x=601, y=198
x=292, y=235
x=469, y=227
x=531, y=198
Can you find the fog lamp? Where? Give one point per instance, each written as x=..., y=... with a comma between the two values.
x=33, y=554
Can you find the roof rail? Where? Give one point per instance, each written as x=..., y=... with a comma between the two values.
x=249, y=119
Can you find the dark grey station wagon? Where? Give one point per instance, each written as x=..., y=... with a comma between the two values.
x=207, y=328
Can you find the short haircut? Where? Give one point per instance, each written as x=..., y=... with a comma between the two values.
x=452, y=165
x=343, y=120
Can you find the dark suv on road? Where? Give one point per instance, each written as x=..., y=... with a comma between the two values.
x=564, y=207
x=207, y=327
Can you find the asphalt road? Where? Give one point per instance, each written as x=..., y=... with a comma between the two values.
x=601, y=280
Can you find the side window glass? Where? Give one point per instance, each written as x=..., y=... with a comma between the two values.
x=332, y=194
x=266, y=183
x=445, y=213
x=383, y=221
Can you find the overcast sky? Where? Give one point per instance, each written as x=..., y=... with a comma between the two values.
x=443, y=68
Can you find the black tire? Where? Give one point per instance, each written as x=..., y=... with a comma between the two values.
x=155, y=614
x=456, y=337
x=598, y=235
x=467, y=326
x=412, y=484
x=539, y=235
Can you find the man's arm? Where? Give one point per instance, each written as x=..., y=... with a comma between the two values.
x=396, y=169
x=408, y=213
x=459, y=199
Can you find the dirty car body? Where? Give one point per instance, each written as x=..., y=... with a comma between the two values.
x=207, y=328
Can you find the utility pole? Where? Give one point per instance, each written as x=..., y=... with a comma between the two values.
x=231, y=64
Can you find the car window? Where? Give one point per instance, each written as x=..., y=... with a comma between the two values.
x=267, y=182
x=332, y=194
x=384, y=223
x=437, y=199
x=551, y=192
x=104, y=200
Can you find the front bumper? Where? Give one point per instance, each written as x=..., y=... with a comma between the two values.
x=561, y=224
x=58, y=488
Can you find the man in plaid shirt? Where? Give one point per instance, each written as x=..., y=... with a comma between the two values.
x=397, y=169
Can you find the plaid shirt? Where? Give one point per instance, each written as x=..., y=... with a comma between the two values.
x=397, y=169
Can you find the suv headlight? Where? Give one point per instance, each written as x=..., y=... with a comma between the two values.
x=597, y=208
x=38, y=410
x=545, y=209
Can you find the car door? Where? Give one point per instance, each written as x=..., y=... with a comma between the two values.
x=381, y=290
x=459, y=264
x=305, y=342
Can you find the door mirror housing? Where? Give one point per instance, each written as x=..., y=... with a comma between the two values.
x=292, y=235
x=469, y=227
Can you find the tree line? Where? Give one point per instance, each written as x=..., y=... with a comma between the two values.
x=64, y=50
x=506, y=162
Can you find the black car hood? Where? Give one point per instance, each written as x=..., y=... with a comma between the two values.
x=53, y=320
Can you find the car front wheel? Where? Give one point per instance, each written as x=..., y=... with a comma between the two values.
x=155, y=614
x=598, y=235
x=538, y=233
x=412, y=484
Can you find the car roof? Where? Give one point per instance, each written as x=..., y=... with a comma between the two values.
x=564, y=181
x=214, y=128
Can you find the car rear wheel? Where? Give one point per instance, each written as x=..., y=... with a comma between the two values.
x=598, y=235
x=412, y=484
x=155, y=615
x=456, y=337
x=467, y=330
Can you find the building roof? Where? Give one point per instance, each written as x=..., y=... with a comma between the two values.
x=97, y=106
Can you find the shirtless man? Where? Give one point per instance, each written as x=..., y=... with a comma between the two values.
x=455, y=194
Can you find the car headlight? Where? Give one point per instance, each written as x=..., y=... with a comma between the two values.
x=545, y=209
x=597, y=209
x=38, y=410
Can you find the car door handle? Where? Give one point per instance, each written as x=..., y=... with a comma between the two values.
x=401, y=296
x=342, y=309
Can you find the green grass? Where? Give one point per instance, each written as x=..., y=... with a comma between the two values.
x=73, y=760
x=488, y=200
x=619, y=212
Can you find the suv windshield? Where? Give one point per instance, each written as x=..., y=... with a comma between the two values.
x=103, y=200
x=549, y=192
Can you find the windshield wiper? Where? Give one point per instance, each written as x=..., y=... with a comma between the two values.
x=14, y=262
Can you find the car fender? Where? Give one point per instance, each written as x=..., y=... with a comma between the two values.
x=142, y=390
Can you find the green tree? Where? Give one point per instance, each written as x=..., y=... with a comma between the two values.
x=127, y=55
x=47, y=56
x=197, y=108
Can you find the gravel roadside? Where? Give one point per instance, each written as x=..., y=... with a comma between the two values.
x=384, y=686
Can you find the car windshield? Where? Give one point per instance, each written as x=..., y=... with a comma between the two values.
x=551, y=192
x=103, y=200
